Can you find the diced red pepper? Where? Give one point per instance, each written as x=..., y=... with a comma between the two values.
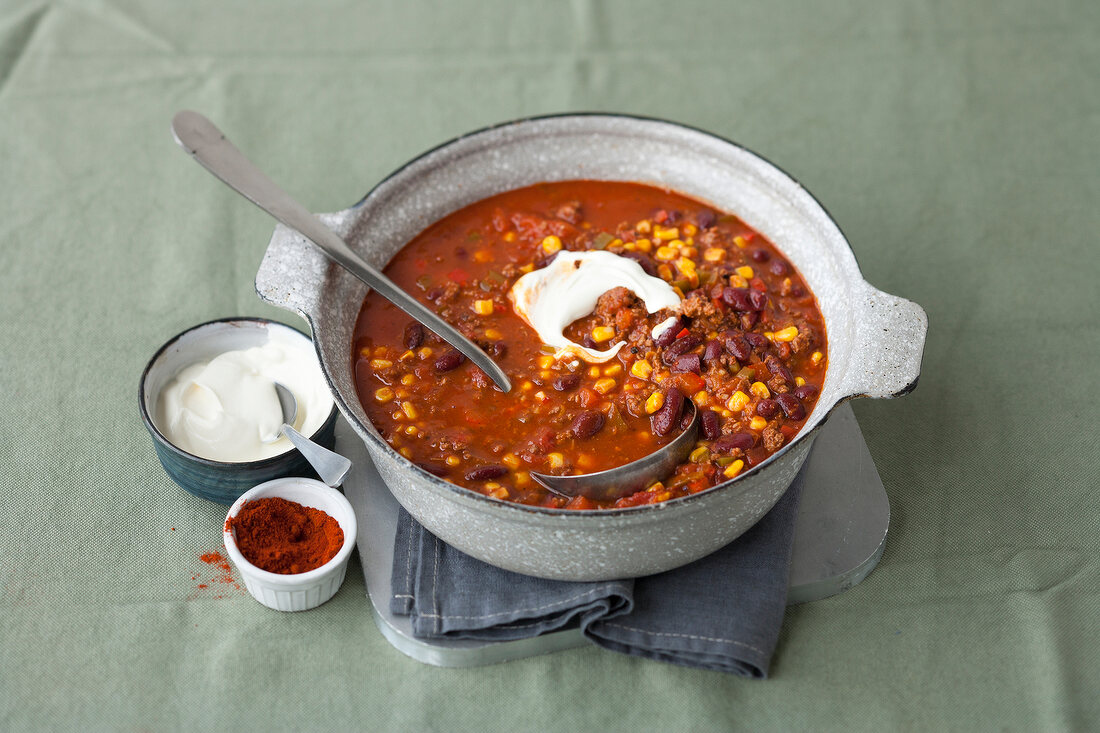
x=458, y=275
x=683, y=332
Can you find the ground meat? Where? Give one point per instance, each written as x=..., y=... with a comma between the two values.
x=613, y=301
x=635, y=403
x=709, y=238
x=509, y=270
x=450, y=290
x=569, y=211
x=805, y=339
x=773, y=439
x=698, y=305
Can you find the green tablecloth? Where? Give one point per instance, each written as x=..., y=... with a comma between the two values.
x=958, y=147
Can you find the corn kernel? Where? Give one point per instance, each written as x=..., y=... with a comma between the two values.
x=613, y=371
x=380, y=363
x=787, y=334
x=492, y=485
x=746, y=272
x=654, y=402
x=409, y=410
x=666, y=254
x=641, y=369
x=816, y=357
x=738, y=401
x=737, y=281
x=509, y=236
x=644, y=245
x=492, y=333
x=760, y=390
x=545, y=361
x=689, y=230
x=686, y=265
x=665, y=272
x=541, y=396
x=689, y=251
x=726, y=413
x=424, y=352
x=556, y=460
x=629, y=246
x=615, y=243
x=551, y=244
x=594, y=371
x=398, y=415
x=676, y=244
x=758, y=423
x=546, y=375
x=411, y=430
x=740, y=241
x=734, y=468
x=663, y=496
x=603, y=386
x=799, y=381
x=643, y=226
x=526, y=386
x=769, y=335
x=529, y=267
x=656, y=486
x=383, y=394
x=701, y=398
x=483, y=307
x=406, y=452
x=498, y=493
x=365, y=352
x=511, y=460
x=379, y=350
x=408, y=380
x=585, y=460
x=714, y=254
x=602, y=333
x=402, y=394
x=483, y=255
x=522, y=478
x=667, y=235
x=699, y=454
x=452, y=461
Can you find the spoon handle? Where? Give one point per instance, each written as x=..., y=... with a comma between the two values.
x=331, y=467
x=209, y=146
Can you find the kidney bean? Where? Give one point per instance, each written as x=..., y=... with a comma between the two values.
x=805, y=392
x=498, y=349
x=712, y=352
x=685, y=420
x=758, y=300
x=712, y=427
x=737, y=298
x=737, y=346
x=727, y=443
x=414, y=335
x=669, y=334
x=761, y=255
x=673, y=217
x=767, y=408
x=749, y=319
x=566, y=382
x=432, y=467
x=587, y=424
x=680, y=346
x=775, y=366
x=758, y=341
x=797, y=291
x=486, y=473
x=706, y=219
x=664, y=419
x=644, y=261
x=449, y=360
x=588, y=342
x=779, y=268
x=792, y=406
x=688, y=363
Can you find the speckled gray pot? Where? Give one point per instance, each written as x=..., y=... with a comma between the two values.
x=875, y=340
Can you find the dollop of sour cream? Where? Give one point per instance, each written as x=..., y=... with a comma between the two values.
x=568, y=288
x=226, y=409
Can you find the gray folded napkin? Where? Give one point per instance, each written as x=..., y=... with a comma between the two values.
x=722, y=612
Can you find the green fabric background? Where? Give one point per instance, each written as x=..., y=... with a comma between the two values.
x=957, y=144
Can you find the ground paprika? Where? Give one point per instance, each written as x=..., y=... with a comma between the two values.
x=284, y=537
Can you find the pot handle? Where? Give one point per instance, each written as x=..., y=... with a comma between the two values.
x=292, y=274
x=888, y=345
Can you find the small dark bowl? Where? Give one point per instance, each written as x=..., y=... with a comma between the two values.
x=219, y=481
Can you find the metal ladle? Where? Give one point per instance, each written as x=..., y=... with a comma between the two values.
x=615, y=483
x=331, y=467
x=206, y=143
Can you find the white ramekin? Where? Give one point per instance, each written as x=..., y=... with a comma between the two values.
x=300, y=591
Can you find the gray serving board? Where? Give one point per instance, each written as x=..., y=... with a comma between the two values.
x=839, y=536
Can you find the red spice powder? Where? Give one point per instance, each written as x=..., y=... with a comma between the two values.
x=282, y=536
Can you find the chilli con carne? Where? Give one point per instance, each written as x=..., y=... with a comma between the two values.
x=747, y=345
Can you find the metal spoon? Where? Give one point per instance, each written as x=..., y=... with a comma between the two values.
x=615, y=483
x=199, y=137
x=331, y=467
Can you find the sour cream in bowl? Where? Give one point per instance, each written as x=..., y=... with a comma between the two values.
x=208, y=400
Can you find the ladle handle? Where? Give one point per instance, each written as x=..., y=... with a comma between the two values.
x=206, y=143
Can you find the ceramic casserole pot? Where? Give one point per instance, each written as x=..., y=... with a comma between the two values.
x=875, y=340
